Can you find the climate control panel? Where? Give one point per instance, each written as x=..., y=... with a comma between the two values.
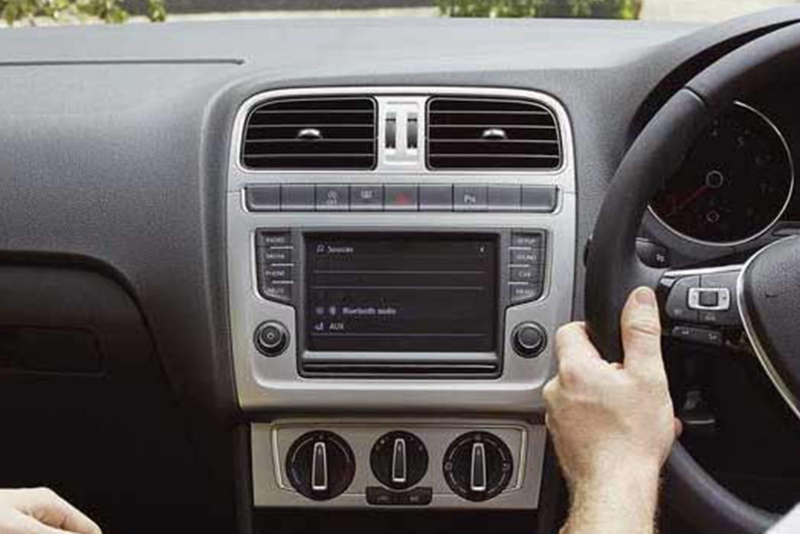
x=442, y=464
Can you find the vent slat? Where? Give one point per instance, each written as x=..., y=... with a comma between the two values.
x=486, y=133
x=312, y=133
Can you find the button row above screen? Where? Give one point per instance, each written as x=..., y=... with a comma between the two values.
x=402, y=197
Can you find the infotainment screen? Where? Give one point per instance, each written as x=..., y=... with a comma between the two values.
x=401, y=292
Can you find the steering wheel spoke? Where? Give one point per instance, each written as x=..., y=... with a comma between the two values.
x=701, y=305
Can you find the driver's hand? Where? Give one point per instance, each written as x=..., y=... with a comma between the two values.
x=41, y=511
x=613, y=424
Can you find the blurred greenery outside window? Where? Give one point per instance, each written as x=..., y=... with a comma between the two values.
x=114, y=11
x=609, y=9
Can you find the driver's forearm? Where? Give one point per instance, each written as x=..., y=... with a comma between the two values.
x=622, y=503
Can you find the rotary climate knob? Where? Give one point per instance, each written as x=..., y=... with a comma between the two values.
x=399, y=460
x=478, y=466
x=320, y=465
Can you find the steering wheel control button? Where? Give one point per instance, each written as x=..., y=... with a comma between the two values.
x=527, y=261
x=401, y=197
x=333, y=197
x=469, y=197
x=436, y=197
x=678, y=300
x=399, y=460
x=320, y=465
x=271, y=338
x=702, y=336
x=274, y=265
x=538, y=199
x=505, y=198
x=726, y=313
x=478, y=466
x=652, y=254
x=366, y=197
x=263, y=197
x=529, y=340
x=711, y=299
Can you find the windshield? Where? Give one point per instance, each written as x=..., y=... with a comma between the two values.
x=47, y=12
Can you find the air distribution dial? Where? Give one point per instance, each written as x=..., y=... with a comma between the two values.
x=478, y=466
x=399, y=460
x=320, y=465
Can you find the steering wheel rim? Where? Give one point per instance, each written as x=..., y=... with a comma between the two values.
x=614, y=269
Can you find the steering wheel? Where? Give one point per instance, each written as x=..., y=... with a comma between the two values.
x=762, y=297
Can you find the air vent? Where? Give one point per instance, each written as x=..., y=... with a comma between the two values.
x=491, y=133
x=311, y=133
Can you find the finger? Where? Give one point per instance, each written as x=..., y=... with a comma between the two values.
x=49, y=508
x=641, y=332
x=572, y=340
x=678, y=427
x=29, y=525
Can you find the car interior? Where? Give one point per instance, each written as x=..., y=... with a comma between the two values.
x=282, y=276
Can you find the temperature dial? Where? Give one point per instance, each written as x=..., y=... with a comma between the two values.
x=478, y=466
x=320, y=465
x=399, y=459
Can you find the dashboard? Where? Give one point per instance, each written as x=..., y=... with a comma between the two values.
x=298, y=267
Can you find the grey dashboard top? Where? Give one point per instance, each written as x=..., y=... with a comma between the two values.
x=114, y=140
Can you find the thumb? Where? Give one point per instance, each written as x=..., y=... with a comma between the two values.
x=641, y=332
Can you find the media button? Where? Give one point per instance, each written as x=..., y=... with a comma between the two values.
x=436, y=197
x=401, y=197
x=469, y=197
x=333, y=197
x=274, y=255
x=366, y=197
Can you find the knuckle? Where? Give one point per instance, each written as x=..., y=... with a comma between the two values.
x=644, y=326
x=569, y=374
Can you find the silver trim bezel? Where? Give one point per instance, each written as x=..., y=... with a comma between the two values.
x=761, y=354
x=768, y=227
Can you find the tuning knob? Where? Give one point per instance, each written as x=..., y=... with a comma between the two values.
x=320, y=465
x=399, y=460
x=478, y=466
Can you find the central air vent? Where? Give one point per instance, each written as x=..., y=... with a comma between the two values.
x=491, y=133
x=311, y=133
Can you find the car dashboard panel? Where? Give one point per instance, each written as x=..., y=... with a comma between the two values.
x=338, y=251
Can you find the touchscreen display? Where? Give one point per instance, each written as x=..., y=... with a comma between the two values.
x=401, y=292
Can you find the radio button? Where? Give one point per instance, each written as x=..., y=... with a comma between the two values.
x=333, y=197
x=436, y=197
x=297, y=197
x=504, y=198
x=469, y=197
x=366, y=197
x=274, y=239
x=401, y=197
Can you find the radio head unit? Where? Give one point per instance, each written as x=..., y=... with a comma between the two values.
x=400, y=303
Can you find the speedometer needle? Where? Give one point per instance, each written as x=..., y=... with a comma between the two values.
x=691, y=198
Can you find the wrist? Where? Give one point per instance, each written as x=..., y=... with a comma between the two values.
x=623, y=499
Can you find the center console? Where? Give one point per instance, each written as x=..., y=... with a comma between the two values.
x=398, y=262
